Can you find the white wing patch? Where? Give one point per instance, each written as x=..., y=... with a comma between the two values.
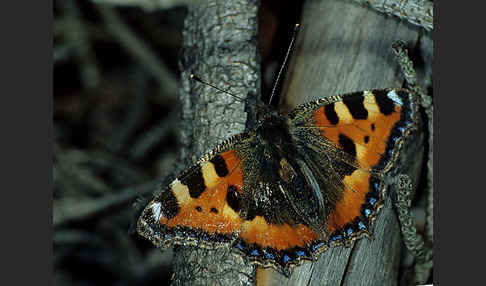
x=394, y=96
x=156, y=210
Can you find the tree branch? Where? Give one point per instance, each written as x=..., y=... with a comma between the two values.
x=220, y=46
x=417, y=12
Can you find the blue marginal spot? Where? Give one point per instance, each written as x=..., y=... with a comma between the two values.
x=406, y=122
x=349, y=231
x=255, y=252
x=367, y=212
x=286, y=258
x=240, y=247
x=336, y=237
x=394, y=139
x=168, y=236
x=205, y=237
x=269, y=256
x=389, y=152
x=179, y=233
x=218, y=237
x=317, y=246
x=301, y=253
x=361, y=225
x=372, y=201
x=376, y=185
x=400, y=129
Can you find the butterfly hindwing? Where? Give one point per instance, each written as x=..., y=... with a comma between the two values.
x=277, y=229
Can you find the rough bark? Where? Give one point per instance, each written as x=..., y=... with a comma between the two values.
x=417, y=12
x=220, y=47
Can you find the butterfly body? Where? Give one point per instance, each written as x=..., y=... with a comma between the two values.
x=293, y=186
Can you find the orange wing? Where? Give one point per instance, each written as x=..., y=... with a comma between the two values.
x=202, y=205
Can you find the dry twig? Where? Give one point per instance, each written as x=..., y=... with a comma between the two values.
x=417, y=12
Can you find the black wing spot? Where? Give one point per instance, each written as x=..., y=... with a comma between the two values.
x=356, y=107
x=199, y=209
x=195, y=182
x=331, y=114
x=252, y=211
x=220, y=166
x=214, y=210
x=385, y=104
x=170, y=206
x=347, y=144
x=233, y=198
x=366, y=139
x=343, y=169
x=373, y=127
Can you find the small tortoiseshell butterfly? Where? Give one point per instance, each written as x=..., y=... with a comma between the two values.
x=293, y=186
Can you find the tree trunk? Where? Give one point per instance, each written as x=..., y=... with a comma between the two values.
x=342, y=47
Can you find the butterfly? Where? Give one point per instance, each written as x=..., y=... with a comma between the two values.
x=293, y=186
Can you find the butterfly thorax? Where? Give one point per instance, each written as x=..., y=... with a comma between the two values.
x=273, y=130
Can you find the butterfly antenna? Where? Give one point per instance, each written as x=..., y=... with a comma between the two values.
x=285, y=61
x=196, y=78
